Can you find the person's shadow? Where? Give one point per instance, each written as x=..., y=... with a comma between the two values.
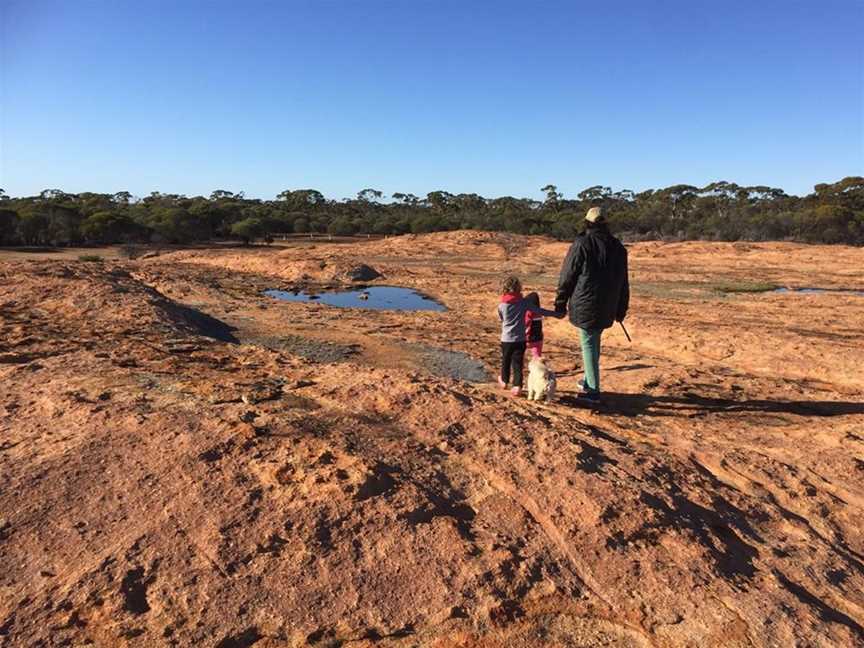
x=690, y=404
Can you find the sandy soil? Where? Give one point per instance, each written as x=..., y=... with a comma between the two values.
x=187, y=462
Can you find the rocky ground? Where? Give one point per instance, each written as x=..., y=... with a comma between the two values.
x=187, y=462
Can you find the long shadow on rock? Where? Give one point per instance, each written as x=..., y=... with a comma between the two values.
x=247, y=638
x=379, y=482
x=663, y=476
x=134, y=591
x=207, y=325
x=443, y=500
x=823, y=610
x=690, y=403
x=592, y=459
x=733, y=558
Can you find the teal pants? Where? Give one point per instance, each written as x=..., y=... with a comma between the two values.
x=590, y=339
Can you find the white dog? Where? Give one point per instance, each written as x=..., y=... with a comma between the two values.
x=541, y=380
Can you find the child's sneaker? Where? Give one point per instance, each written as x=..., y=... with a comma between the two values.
x=516, y=391
x=501, y=383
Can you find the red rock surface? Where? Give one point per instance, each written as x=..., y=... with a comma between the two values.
x=168, y=480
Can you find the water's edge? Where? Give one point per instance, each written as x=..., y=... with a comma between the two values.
x=394, y=298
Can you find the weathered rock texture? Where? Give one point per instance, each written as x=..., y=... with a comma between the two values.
x=172, y=474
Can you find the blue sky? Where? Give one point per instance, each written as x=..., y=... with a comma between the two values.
x=498, y=98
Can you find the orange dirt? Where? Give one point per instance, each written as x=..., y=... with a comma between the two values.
x=178, y=468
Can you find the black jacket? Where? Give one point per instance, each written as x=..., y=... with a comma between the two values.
x=594, y=281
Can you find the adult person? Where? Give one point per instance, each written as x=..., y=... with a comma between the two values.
x=595, y=290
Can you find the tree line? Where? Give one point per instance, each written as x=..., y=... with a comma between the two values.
x=722, y=211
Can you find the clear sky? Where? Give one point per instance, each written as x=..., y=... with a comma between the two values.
x=498, y=98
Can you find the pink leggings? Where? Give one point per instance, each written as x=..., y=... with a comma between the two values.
x=536, y=348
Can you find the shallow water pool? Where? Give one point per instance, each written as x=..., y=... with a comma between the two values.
x=374, y=297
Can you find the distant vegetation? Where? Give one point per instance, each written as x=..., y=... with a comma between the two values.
x=724, y=211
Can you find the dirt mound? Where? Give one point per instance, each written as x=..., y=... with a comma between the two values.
x=164, y=488
x=363, y=272
x=50, y=306
x=316, y=262
x=467, y=243
x=306, y=265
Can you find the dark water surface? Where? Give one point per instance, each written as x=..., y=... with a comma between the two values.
x=448, y=363
x=377, y=298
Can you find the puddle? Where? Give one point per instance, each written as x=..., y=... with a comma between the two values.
x=307, y=348
x=374, y=297
x=811, y=291
x=451, y=364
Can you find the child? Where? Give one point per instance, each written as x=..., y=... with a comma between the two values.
x=512, y=311
x=534, y=325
